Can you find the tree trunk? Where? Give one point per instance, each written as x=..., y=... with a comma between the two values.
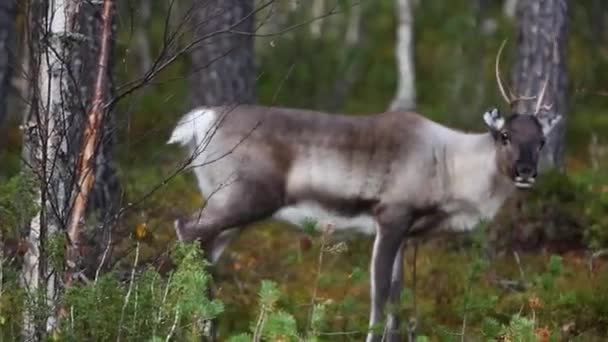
x=405, y=98
x=7, y=15
x=316, y=27
x=142, y=40
x=88, y=155
x=542, y=44
x=62, y=82
x=598, y=14
x=45, y=143
x=223, y=69
x=350, y=66
x=83, y=67
x=104, y=200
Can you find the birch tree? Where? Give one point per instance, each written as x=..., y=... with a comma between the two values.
x=45, y=150
x=405, y=97
x=316, y=27
x=69, y=80
x=509, y=7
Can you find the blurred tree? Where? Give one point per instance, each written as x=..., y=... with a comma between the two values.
x=7, y=15
x=405, y=98
x=599, y=11
x=350, y=69
x=142, y=39
x=316, y=27
x=223, y=69
x=542, y=55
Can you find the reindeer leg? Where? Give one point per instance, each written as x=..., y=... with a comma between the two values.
x=221, y=242
x=393, y=223
x=239, y=204
x=214, y=251
x=221, y=219
x=392, y=325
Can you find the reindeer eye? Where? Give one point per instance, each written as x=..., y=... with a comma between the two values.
x=504, y=137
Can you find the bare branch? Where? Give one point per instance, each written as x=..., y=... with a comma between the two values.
x=128, y=295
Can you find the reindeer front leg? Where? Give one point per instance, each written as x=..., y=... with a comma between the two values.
x=392, y=323
x=393, y=223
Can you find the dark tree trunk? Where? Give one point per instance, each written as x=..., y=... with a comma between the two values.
x=542, y=52
x=7, y=15
x=106, y=192
x=223, y=70
x=104, y=199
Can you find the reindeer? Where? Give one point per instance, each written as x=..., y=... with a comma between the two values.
x=392, y=175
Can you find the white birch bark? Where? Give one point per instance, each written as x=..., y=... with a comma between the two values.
x=45, y=149
x=353, y=27
x=316, y=27
x=509, y=7
x=405, y=97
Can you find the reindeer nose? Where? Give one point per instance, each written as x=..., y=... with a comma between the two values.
x=525, y=171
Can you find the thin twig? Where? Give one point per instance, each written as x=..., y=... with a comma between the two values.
x=174, y=326
x=159, y=317
x=341, y=333
x=128, y=295
x=257, y=333
x=518, y=261
x=135, y=306
x=104, y=256
x=72, y=317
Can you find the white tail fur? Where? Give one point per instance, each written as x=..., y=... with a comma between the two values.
x=196, y=122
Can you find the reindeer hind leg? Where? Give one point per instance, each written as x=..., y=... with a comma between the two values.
x=238, y=204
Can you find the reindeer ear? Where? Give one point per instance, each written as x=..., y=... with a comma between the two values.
x=549, y=124
x=494, y=120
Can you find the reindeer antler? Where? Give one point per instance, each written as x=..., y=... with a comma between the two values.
x=498, y=78
x=541, y=96
x=509, y=98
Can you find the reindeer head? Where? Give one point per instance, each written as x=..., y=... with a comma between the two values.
x=520, y=137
